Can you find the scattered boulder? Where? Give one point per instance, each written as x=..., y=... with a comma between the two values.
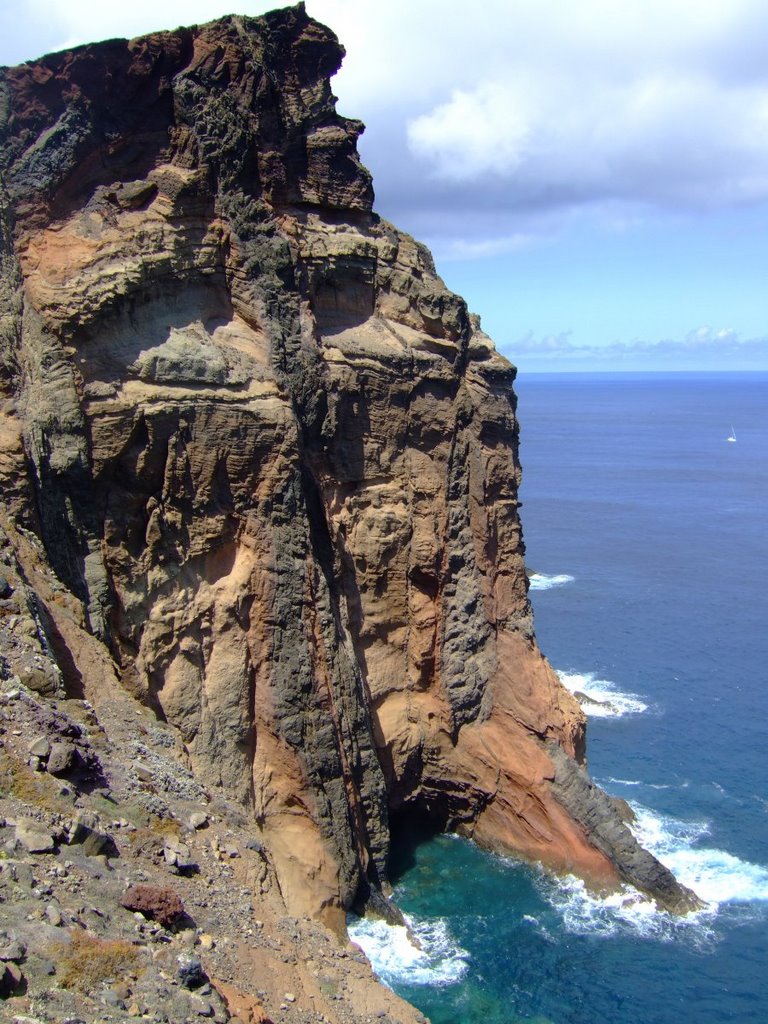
x=53, y=915
x=178, y=855
x=40, y=747
x=144, y=772
x=197, y=820
x=224, y=851
x=11, y=947
x=11, y=979
x=62, y=758
x=34, y=837
x=84, y=832
x=39, y=675
x=202, y=1007
x=190, y=972
x=156, y=903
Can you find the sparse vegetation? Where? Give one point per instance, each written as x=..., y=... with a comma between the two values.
x=18, y=780
x=87, y=961
x=168, y=828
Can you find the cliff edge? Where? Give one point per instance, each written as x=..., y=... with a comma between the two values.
x=260, y=466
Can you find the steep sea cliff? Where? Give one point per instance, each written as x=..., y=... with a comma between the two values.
x=260, y=469
x=666, y=636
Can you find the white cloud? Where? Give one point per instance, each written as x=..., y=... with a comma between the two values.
x=701, y=346
x=556, y=133
x=466, y=249
x=473, y=133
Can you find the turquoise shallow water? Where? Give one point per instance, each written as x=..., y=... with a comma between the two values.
x=648, y=531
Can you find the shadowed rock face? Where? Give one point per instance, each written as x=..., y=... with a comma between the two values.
x=271, y=460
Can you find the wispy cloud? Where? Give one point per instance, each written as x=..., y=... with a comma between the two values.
x=700, y=346
x=468, y=249
x=667, y=136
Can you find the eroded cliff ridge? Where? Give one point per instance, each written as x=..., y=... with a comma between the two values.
x=271, y=462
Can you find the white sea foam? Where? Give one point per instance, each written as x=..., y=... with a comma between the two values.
x=436, y=960
x=664, y=835
x=717, y=876
x=625, y=912
x=649, y=785
x=540, y=581
x=610, y=702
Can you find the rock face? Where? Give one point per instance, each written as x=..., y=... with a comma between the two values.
x=270, y=459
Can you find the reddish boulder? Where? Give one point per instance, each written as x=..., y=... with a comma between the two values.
x=156, y=903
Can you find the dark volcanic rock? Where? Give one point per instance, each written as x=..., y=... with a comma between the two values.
x=605, y=821
x=190, y=972
x=62, y=758
x=11, y=979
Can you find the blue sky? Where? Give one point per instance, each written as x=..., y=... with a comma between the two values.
x=591, y=176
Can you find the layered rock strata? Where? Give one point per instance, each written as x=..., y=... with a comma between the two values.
x=272, y=461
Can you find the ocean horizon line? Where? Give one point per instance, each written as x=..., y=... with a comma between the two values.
x=656, y=374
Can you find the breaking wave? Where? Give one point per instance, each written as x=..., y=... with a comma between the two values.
x=717, y=876
x=540, y=581
x=600, y=698
x=724, y=881
x=648, y=785
x=434, y=959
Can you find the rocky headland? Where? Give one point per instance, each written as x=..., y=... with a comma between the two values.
x=263, y=599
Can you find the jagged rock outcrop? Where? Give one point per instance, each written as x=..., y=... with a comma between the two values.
x=271, y=460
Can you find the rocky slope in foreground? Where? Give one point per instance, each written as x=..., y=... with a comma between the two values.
x=259, y=471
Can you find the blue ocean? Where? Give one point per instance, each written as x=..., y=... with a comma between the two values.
x=647, y=535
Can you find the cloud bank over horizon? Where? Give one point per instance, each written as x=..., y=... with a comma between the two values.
x=707, y=347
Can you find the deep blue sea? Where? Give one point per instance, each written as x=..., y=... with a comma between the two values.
x=647, y=531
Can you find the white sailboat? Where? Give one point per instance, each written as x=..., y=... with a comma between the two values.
x=732, y=435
